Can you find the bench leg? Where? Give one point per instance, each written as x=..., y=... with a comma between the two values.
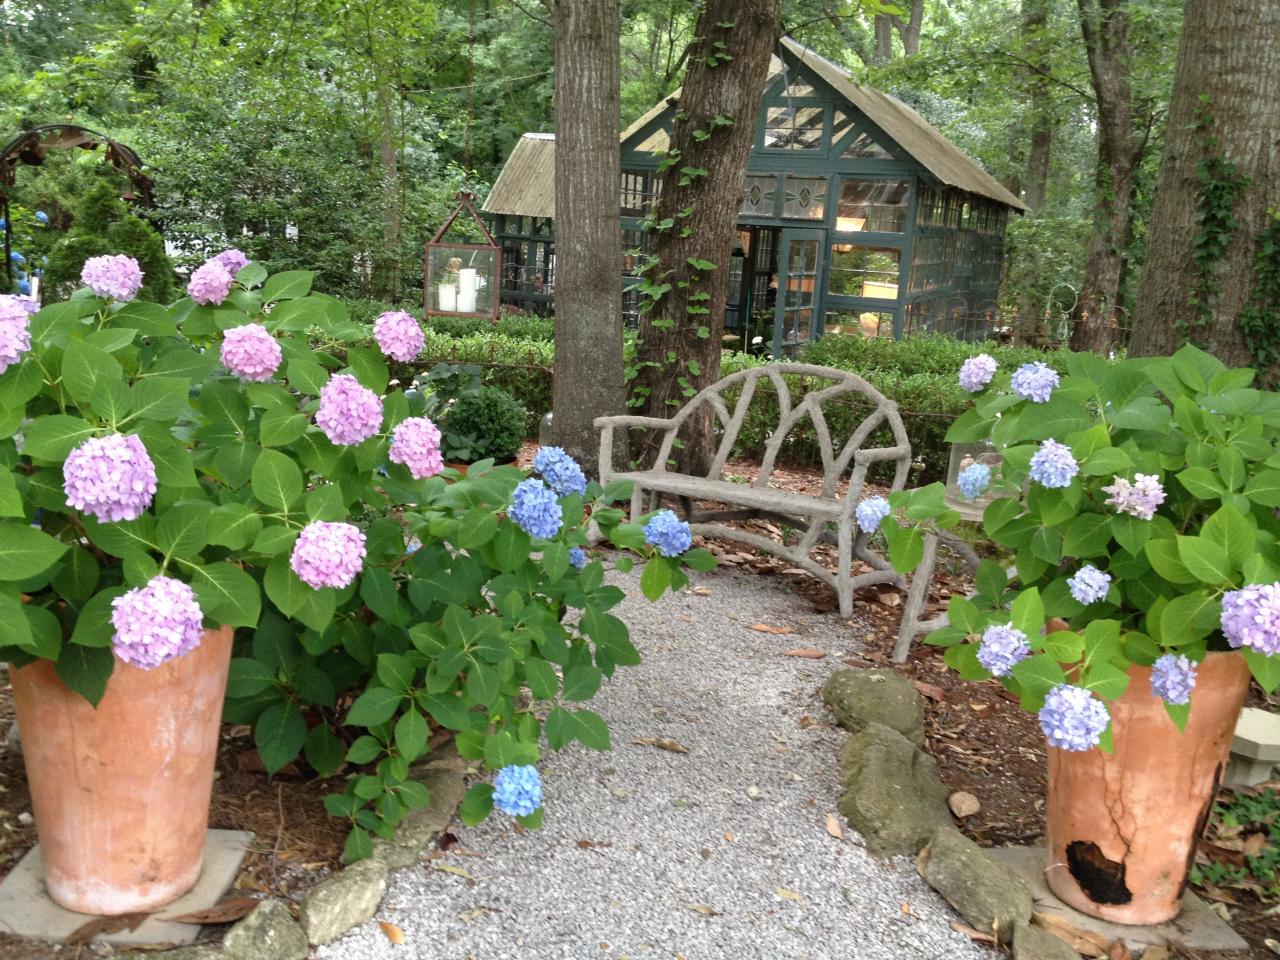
x=637, y=502
x=916, y=598
x=844, y=575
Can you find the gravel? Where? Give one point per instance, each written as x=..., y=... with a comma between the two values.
x=647, y=853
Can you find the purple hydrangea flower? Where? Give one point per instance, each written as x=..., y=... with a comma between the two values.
x=233, y=261
x=1002, y=647
x=118, y=277
x=1251, y=618
x=1139, y=499
x=1072, y=718
x=328, y=554
x=976, y=372
x=517, y=791
x=560, y=470
x=348, y=413
x=1035, y=381
x=578, y=557
x=1089, y=585
x=15, y=337
x=156, y=623
x=111, y=478
x=668, y=534
x=973, y=480
x=399, y=335
x=535, y=508
x=1053, y=465
x=415, y=442
x=251, y=353
x=870, y=512
x=210, y=283
x=1172, y=678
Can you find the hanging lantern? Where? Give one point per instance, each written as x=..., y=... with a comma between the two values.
x=462, y=278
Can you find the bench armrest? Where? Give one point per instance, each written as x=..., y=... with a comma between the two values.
x=877, y=454
x=606, y=426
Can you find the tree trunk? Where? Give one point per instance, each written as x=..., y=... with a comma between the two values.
x=1035, y=50
x=588, y=377
x=1229, y=55
x=694, y=225
x=386, y=281
x=909, y=30
x=884, y=38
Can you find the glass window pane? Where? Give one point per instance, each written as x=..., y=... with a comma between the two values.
x=864, y=271
x=841, y=123
x=863, y=147
x=859, y=323
x=873, y=205
x=805, y=199
x=793, y=128
x=758, y=197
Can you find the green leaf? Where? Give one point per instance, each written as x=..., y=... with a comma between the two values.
x=323, y=750
x=1201, y=482
x=149, y=319
x=1036, y=676
x=963, y=613
x=396, y=672
x=42, y=630
x=306, y=376
x=511, y=546
x=86, y=670
x=1231, y=467
x=1205, y=560
x=411, y=734
x=369, y=368
x=1107, y=461
x=76, y=577
x=906, y=546
x=53, y=436
x=376, y=705
x=655, y=578
x=1264, y=488
x=227, y=594
x=1230, y=530
x=365, y=749
x=477, y=804
x=279, y=735
x=1265, y=669
x=83, y=366
x=248, y=677
x=289, y=285
x=160, y=398
x=1189, y=618
x=359, y=845
x=276, y=480
x=541, y=678
x=378, y=590
x=1027, y=612
x=582, y=681
x=587, y=728
x=281, y=427
x=111, y=400
x=295, y=599
x=26, y=552
x=1165, y=560
x=234, y=525
x=183, y=529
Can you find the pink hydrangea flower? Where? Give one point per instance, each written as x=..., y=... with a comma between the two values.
x=233, y=261
x=1139, y=499
x=251, y=353
x=328, y=554
x=15, y=337
x=348, y=413
x=210, y=283
x=1251, y=618
x=399, y=335
x=415, y=442
x=118, y=277
x=156, y=623
x=111, y=478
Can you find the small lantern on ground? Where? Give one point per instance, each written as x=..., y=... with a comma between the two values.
x=963, y=456
x=461, y=279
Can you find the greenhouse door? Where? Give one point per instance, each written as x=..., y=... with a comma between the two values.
x=799, y=266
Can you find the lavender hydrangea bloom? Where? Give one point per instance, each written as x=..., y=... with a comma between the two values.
x=974, y=480
x=1035, y=381
x=1172, y=678
x=517, y=791
x=976, y=372
x=1139, y=499
x=1072, y=718
x=210, y=283
x=1053, y=465
x=111, y=478
x=348, y=413
x=156, y=623
x=415, y=442
x=15, y=336
x=1251, y=618
x=251, y=353
x=870, y=512
x=399, y=335
x=1089, y=585
x=560, y=470
x=578, y=557
x=118, y=277
x=1002, y=647
x=667, y=533
x=535, y=508
x=233, y=261
x=328, y=554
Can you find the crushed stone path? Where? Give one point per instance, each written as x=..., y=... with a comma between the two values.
x=721, y=852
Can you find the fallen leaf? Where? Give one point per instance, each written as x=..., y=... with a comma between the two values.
x=225, y=911
x=702, y=591
x=890, y=599
x=1081, y=941
x=971, y=933
x=766, y=628
x=1273, y=945
x=1214, y=892
x=473, y=915
x=809, y=653
x=662, y=743
x=786, y=894
x=393, y=933
x=450, y=868
x=728, y=835
x=963, y=804
x=703, y=909
x=906, y=908
x=833, y=826
x=106, y=925
x=930, y=690
x=593, y=844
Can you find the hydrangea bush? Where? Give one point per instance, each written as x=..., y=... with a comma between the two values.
x=237, y=458
x=1140, y=502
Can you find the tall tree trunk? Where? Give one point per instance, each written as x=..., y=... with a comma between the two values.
x=1035, y=49
x=696, y=216
x=588, y=376
x=909, y=29
x=884, y=38
x=386, y=279
x=1105, y=27
x=1228, y=54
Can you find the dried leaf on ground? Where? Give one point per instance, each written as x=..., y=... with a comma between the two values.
x=729, y=836
x=450, y=868
x=106, y=925
x=662, y=743
x=593, y=844
x=225, y=911
x=1119, y=951
x=833, y=826
x=930, y=690
x=1157, y=952
x=786, y=894
x=392, y=932
x=1081, y=941
x=809, y=653
x=768, y=628
x=703, y=909
x=971, y=933
x=963, y=804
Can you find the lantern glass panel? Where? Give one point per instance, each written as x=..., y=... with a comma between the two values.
x=461, y=279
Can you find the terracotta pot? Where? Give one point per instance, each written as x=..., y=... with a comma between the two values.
x=1121, y=828
x=120, y=794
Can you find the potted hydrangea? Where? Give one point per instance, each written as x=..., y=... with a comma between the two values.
x=1136, y=502
x=221, y=494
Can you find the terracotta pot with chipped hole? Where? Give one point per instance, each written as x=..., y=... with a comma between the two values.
x=1121, y=829
x=120, y=794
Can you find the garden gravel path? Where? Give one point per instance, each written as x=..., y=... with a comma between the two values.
x=721, y=852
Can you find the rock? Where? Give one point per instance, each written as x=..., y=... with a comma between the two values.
x=446, y=786
x=963, y=804
x=987, y=893
x=754, y=792
x=1032, y=943
x=893, y=795
x=859, y=697
x=268, y=933
x=349, y=897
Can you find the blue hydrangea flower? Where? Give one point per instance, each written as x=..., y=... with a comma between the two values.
x=1089, y=585
x=535, y=508
x=1053, y=465
x=578, y=557
x=1002, y=647
x=517, y=791
x=24, y=287
x=870, y=512
x=973, y=480
x=1072, y=718
x=560, y=470
x=1035, y=381
x=1172, y=678
x=668, y=533
x=41, y=217
x=16, y=257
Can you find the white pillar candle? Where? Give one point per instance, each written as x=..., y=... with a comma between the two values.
x=447, y=297
x=466, y=281
x=466, y=300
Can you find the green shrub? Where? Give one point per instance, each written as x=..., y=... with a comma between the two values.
x=486, y=423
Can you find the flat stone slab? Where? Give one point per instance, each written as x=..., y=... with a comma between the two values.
x=1257, y=735
x=27, y=911
x=1196, y=928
